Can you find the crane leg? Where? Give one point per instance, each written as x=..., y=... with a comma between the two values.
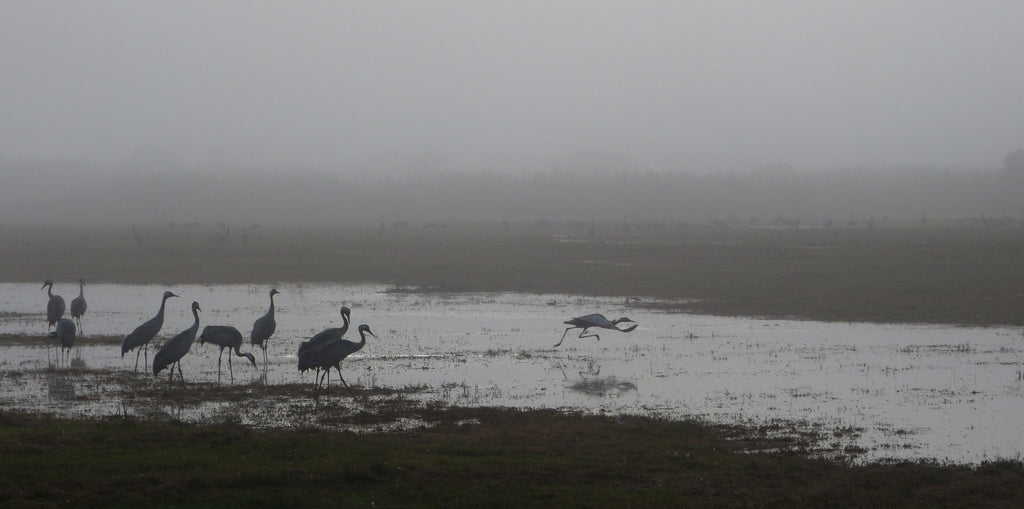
x=316, y=395
x=231, y=370
x=344, y=382
x=218, y=362
x=137, y=352
x=170, y=376
x=180, y=375
x=591, y=335
x=563, y=337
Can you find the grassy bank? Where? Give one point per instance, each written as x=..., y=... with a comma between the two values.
x=963, y=274
x=467, y=458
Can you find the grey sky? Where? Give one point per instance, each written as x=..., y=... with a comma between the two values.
x=672, y=86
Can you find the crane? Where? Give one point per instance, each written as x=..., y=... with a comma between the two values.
x=326, y=336
x=595, y=320
x=78, y=305
x=54, y=307
x=225, y=336
x=172, y=351
x=65, y=334
x=264, y=327
x=143, y=334
x=330, y=355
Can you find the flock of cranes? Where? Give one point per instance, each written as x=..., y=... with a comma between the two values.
x=323, y=351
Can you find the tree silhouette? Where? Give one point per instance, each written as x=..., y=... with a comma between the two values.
x=1014, y=163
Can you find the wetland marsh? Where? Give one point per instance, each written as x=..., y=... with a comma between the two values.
x=868, y=392
x=928, y=390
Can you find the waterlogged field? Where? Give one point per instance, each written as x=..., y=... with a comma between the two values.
x=860, y=391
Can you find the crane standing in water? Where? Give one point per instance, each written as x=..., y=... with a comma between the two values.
x=595, y=320
x=225, y=336
x=78, y=305
x=263, y=328
x=65, y=334
x=172, y=351
x=54, y=307
x=330, y=355
x=326, y=336
x=143, y=334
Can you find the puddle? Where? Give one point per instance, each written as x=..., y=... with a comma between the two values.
x=869, y=391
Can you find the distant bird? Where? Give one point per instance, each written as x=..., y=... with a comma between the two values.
x=78, y=305
x=264, y=327
x=594, y=320
x=143, y=334
x=225, y=336
x=326, y=336
x=65, y=333
x=172, y=351
x=55, y=306
x=330, y=355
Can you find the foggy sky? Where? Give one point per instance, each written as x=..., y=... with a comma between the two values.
x=667, y=86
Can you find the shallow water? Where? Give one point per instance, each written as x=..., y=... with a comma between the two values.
x=867, y=391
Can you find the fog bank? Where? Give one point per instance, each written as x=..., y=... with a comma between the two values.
x=54, y=194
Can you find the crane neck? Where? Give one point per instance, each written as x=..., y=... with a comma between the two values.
x=195, y=323
x=49, y=290
x=81, y=289
x=271, y=310
x=163, y=303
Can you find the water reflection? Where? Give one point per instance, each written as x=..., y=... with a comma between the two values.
x=603, y=386
x=947, y=393
x=60, y=387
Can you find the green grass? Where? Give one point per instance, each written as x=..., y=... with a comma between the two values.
x=502, y=458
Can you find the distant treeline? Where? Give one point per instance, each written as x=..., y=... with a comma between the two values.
x=37, y=193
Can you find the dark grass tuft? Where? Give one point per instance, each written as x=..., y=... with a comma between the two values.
x=466, y=457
